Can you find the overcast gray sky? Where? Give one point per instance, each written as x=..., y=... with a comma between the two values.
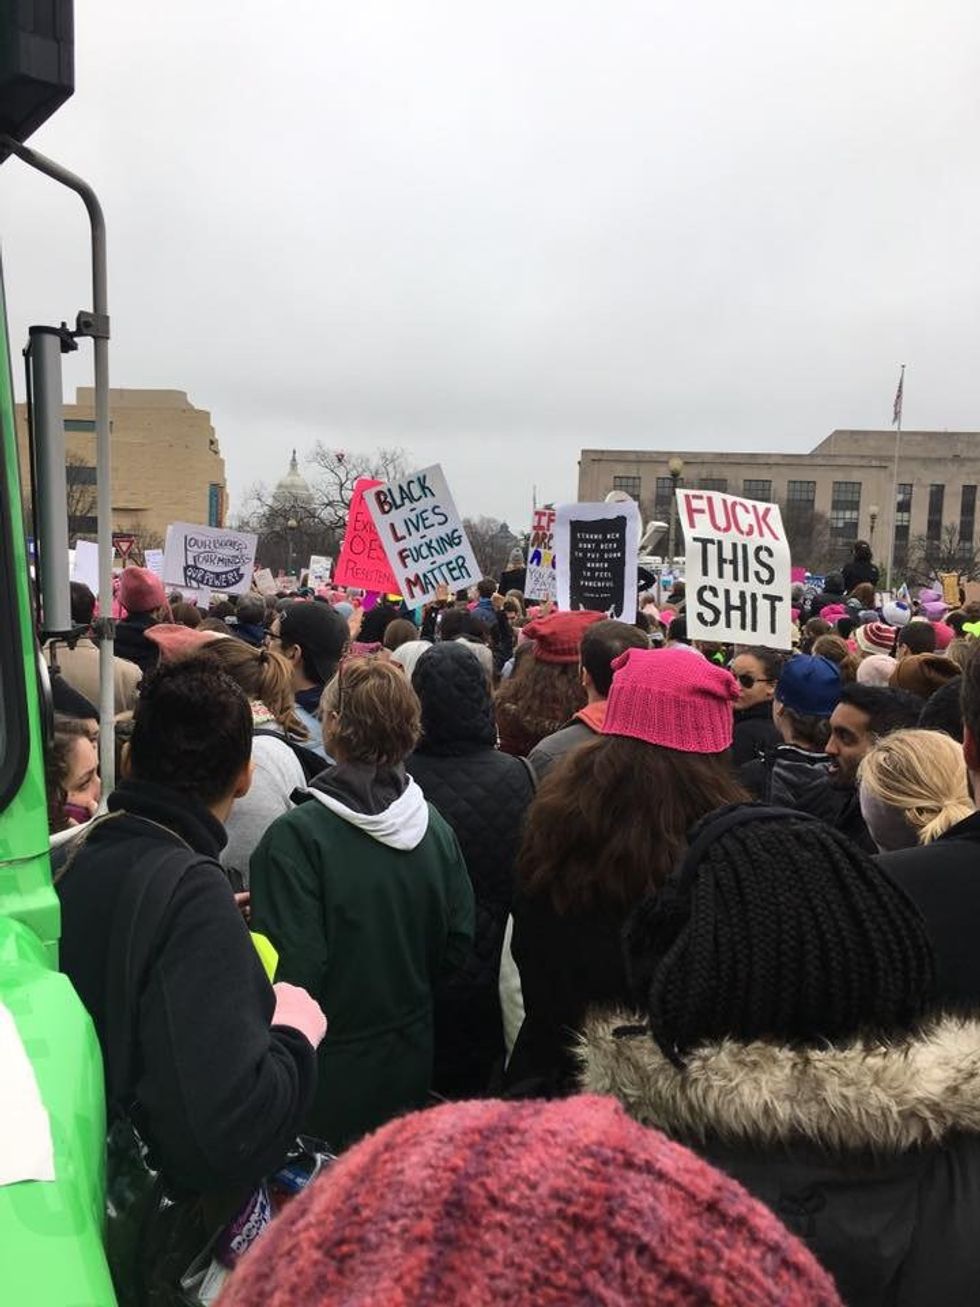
x=499, y=233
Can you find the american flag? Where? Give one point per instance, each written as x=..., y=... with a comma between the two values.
x=897, y=409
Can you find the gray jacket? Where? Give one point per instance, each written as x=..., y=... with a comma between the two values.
x=556, y=746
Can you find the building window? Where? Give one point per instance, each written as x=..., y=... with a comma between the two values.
x=665, y=496
x=903, y=513
x=714, y=483
x=84, y=526
x=79, y=474
x=968, y=514
x=629, y=485
x=801, y=493
x=757, y=490
x=845, y=505
x=934, y=522
x=214, y=504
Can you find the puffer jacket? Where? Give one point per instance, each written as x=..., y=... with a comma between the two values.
x=783, y=773
x=871, y=1154
x=483, y=795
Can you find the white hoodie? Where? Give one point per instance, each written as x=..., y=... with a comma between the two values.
x=400, y=826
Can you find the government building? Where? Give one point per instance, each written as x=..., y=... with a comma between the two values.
x=166, y=463
x=847, y=480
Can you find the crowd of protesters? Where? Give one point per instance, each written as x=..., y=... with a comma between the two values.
x=613, y=967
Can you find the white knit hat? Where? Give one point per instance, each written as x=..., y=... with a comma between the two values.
x=896, y=614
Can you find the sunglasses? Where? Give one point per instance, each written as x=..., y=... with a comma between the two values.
x=746, y=680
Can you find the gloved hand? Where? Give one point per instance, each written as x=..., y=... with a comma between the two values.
x=295, y=1008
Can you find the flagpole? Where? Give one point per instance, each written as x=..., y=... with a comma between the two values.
x=899, y=402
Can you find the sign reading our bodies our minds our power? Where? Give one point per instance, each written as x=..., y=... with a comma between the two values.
x=422, y=535
x=208, y=558
x=737, y=569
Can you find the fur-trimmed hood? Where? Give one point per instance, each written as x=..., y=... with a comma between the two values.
x=887, y=1098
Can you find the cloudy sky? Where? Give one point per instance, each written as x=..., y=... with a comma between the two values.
x=496, y=234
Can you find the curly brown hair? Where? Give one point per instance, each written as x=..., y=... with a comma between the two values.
x=537, y=700
x=610, y=821
x=377, y=719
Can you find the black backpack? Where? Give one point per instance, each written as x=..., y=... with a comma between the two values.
x=311, y=762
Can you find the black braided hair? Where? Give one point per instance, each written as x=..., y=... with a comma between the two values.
x=783, y=931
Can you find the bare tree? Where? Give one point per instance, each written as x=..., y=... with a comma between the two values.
x=927, y=558
x=810, y=542
x=292, y=527
x=82, y=500
x=492, y=541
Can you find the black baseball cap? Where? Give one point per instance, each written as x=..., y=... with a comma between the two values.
x=320, y=632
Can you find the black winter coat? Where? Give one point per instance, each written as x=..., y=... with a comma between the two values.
x=151, y=933
x=132, y=644
x=840, y=807
x=782, y=774
x=483, y=795
x=754, y=732
x=870, y=1154
x=855, y=573
x=943, y=878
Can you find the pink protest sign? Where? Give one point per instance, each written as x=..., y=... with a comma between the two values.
x=362, y=560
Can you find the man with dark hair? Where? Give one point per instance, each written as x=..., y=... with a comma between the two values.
x=941, y=877
x=485, y=609
x=249, y=621
x=78, y=658
x=864, y=715
x=602, y=643
x=313, y=637
x=215, y=1066
x=915, y=638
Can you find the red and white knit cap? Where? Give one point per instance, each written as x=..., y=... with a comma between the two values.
x=672, y=698
x=531, y=1204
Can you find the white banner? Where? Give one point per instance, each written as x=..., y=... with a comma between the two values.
x=422, y=535
x=319, y=569
x=208, y=558
x=596, y=547
x=542, y=577
x=737, y=569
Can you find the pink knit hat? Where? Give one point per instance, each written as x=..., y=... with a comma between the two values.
x=556, y=1204
x=666, y=697
x=176, y=641
x=945, y=635
x=140, y=590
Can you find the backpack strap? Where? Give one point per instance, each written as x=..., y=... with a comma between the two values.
x=531, y=772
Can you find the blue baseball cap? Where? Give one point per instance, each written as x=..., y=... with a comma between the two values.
x=809, y=686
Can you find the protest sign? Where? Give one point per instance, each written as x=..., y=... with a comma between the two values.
x=208, y=558
x=86, y=564
x=950, y=582
x=738, y=569
x=422, y=535
x=319, y=569
x=596, y=549
x=362, y=562
x=154, y=561
x=542, y=580
x=264, y=581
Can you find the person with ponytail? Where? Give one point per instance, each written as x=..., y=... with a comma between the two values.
x=786, y=1026
x=913, y=789
x=277, y=748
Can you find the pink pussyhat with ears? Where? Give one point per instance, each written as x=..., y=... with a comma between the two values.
x=671, y=698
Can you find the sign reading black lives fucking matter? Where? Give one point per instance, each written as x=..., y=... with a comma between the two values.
x=737, y=569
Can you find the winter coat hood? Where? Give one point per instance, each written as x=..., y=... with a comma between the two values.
x=383, y=802
x=792, y=771
x=886, y=1098
x=457, y=711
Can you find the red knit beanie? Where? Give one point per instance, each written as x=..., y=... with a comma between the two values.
x=557, y=638
x=533, y=1204
x=140, y=590
x=672, y=697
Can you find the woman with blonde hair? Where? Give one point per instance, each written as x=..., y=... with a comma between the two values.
x=281, y=763
x=913, y=788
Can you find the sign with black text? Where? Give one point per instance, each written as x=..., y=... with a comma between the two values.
x=737, y=569
x=422, y=535
x=596, y=548
x=208, y=558
x=541, y=581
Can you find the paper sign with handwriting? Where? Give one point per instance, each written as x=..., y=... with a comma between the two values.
x=209, y=558
x=422, y=535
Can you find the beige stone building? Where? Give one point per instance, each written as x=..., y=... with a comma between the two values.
x=166, y=462
x=847, y=479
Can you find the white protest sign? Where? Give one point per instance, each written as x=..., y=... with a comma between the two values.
x=738, y=569
x=319, y=569
x=422, y=535
x=209, y=558
x=264, y=581
x=542, y=577
x=154, y=561
x=86, y=566
x=596, y=548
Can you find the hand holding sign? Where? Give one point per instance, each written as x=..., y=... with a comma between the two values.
x=737, y=568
